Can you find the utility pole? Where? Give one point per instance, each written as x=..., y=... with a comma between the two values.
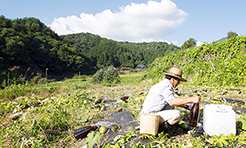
x=8, y=78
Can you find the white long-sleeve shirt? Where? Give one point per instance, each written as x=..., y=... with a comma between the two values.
x=159, y=94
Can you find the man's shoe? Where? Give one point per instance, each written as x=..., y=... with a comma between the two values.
x=183, y=125
x=165, y=126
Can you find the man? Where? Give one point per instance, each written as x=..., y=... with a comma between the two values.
x=161, y=101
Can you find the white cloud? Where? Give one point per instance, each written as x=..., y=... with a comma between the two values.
x=199, y=43
x=135, y=22
x=174, y=42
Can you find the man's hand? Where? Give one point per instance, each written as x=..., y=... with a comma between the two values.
x=196, y=99
x=182, y=101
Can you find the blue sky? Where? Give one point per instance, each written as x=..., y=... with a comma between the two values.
x=173, y=21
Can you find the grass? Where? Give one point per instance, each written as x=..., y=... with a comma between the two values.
x=69, y=107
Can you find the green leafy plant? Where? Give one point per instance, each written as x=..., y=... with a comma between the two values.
x=241, y=139
x=93, y=138
x=219, y=141
x=242, y=124
x=198, y=142
x=224, y=140
x=108, y=75
x=215, y=65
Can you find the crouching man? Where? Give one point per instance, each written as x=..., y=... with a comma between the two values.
x=161, y=101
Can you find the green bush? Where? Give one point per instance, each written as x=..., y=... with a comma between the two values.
x=42, y=81
x=76, y=76
x=34, y=80
x=107, y=75
x=133, y=70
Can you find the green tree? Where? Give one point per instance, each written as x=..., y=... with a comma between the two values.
x=28, y=42
x=189, y=43
x=231, y=34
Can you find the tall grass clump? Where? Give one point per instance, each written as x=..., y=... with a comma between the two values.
x=49, y=124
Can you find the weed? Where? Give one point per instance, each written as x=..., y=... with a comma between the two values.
x=68, y=106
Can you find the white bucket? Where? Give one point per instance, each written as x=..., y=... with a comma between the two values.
x=219, y=119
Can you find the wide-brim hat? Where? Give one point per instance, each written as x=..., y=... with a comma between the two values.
x=175, y=72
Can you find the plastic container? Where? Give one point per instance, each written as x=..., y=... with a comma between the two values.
x=219, y=119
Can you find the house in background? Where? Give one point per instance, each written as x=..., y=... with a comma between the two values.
x=125, y=68
x=141, y=67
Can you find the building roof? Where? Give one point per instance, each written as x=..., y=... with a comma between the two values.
x=125, y=68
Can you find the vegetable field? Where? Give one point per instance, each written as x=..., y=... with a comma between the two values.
x=69, y=106
x=46, y=114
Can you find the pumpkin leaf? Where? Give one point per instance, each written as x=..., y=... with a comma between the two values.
x=243, y=123
x=93, y=138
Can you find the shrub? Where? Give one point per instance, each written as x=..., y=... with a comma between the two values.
x=76, y=76
x=35, y=80
x=4, y=83
x=108, y=75
x=42, y=81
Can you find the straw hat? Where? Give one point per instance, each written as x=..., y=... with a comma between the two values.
x=175, y=72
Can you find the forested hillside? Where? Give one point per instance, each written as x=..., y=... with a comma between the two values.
x=28, y=42
x=105, y=52
x=217, y=64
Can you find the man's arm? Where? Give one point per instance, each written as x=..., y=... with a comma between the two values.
x=182, y=101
